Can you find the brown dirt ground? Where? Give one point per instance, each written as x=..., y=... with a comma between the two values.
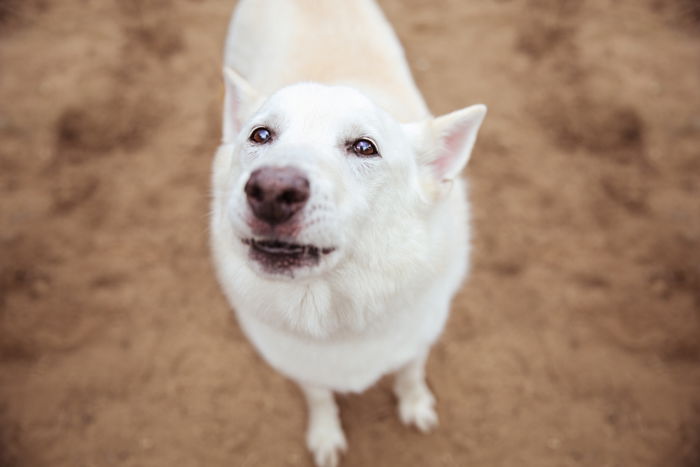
x=575, y=343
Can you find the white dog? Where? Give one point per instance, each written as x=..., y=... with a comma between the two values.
x=339, y=226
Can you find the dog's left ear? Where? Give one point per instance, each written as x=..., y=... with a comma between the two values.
x=240, y=97
x=454, y=136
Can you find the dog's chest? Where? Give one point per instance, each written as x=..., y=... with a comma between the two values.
x=350, y=361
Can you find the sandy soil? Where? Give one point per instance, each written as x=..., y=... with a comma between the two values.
x=576, y=341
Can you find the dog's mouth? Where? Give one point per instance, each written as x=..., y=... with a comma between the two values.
x=276, y=256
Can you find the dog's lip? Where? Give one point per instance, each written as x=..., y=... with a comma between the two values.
x=276, y=247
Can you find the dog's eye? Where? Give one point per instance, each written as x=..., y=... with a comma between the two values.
x=261, y=135
x=364, y=148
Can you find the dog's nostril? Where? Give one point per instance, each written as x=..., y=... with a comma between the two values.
x=254, y=191
x=293, y=195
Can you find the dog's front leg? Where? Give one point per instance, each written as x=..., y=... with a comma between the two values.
x=324, y=436
x=416, y=402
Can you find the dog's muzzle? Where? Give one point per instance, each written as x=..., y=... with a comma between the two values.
x=276, y=197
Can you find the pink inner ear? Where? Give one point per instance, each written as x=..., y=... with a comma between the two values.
x=452, y=145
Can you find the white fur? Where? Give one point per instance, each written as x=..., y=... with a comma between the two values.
x=332, y=72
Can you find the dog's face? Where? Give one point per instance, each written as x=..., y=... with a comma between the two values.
x=319, y=172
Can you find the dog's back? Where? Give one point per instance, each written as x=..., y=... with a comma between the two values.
x=274, y=43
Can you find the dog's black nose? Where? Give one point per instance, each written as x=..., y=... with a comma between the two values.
x=275, y=194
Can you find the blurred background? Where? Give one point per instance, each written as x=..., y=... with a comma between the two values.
x=576, y=341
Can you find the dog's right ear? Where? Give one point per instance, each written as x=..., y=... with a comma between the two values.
x=240, y=96
x=455, y=135
x=444, y=145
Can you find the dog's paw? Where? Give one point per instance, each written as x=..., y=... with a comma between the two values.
x=326, y=444
x=417, y=408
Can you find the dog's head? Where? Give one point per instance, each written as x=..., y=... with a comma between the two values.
x=317, y=175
